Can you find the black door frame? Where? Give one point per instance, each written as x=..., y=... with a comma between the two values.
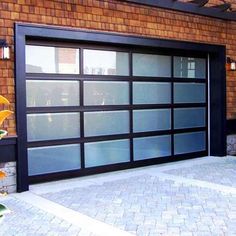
x=217, y=85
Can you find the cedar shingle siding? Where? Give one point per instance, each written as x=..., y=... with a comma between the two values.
x=114, y=16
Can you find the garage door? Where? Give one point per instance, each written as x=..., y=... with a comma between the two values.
x=93, y=107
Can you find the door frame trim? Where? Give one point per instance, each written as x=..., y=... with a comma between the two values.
x=23, y=32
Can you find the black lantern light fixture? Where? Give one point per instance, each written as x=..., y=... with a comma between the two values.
x=4, y=50
x=230, y=64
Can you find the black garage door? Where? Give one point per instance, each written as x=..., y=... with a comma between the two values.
x=92, y=107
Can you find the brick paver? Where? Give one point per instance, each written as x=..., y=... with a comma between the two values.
x=146, y=205
x=223, y=172
x=143, y=202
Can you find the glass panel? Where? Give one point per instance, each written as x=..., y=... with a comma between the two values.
x=151, y=65
x=98, y=62
x=151, y=120
x=189, y=142
x=188, y=67
x=151, y=93
x=53, y=126
x=106, y=123
x=106, y=93
x=189, y=93
x=151, y=147
x=44, y=59
x=189, y=117
x=105, y=153
x=52, y=93
x=51, y=159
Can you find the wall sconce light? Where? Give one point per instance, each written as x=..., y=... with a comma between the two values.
x=230, y=64
x=4, y=50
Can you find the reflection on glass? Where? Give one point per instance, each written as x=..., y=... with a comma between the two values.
x=43, y=160
x=188, y=67
x=105, y=153
x=189, y=142
x=106, y=93
x=151, y=120
x=189, y=117
x=53, y=126
x=151, y=65
x=106, y=123
x=52, y=93
x=99, y=62
x=151, y=93
x=44, y=59
x=189, y=93
x=151, y=147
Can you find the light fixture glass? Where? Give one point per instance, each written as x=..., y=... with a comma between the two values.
x=4, y=52
x=233, y=65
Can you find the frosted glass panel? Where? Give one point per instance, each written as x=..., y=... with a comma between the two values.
x=105, y=153
x=98, y=62
x=151, y=147
x=53, y=126
x=189, y=142
x=188, y=67
x=44, y=59
x=151, y=93
x=106, y=93
x=52, y=93
x=51, y=159
x=151, y=65
x=189, y=93
x=189, y=117
x=151, y=120
x=106, y=123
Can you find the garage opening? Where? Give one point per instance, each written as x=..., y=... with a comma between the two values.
x=90, y=102
x=91, y=106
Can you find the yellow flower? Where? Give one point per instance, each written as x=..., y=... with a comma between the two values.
x=3, y=100
x=4, y=114
x=2, y=175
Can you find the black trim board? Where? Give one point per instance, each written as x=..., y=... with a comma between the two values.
x=30, y=31
x=231, y=126
x=8, y=149
x=217, y=94
x=20, y=98
x=2, y=42
x=188, y=7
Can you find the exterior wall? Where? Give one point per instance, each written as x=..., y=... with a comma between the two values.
x=113, y=16
x=231, y=144
x=9, y=183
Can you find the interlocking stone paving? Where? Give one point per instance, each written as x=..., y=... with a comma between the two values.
x=146, y=205
x=223, y=172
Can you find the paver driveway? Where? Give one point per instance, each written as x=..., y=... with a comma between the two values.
x=194, y=197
